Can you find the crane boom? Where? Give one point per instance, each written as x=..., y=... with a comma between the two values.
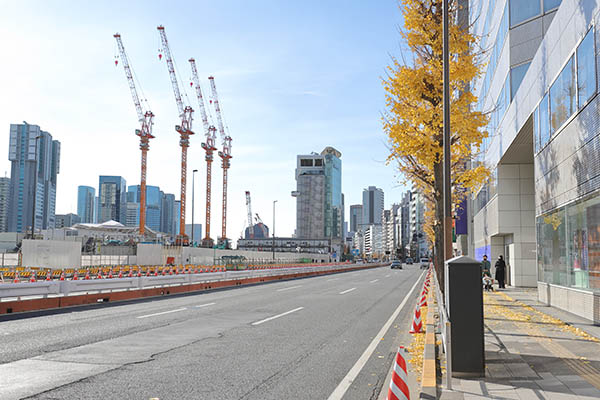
x=225, y=154
x=184, y=130
x=200, y=97
x=146, y=120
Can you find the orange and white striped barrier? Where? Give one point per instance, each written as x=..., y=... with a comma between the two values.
x=417, y=324
x=398, y=385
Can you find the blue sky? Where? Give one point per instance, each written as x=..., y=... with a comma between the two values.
x=293, y=77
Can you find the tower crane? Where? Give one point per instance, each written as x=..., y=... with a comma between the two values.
x=209, y=148
x=249, y=207
x=145, y=119
x=184, y=130
x=225, y=154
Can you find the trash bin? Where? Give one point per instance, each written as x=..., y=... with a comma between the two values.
x=464, y=302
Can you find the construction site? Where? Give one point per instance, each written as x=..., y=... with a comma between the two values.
x=212, y=121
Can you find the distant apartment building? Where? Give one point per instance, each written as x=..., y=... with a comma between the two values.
x=391, y=234
x=35, y=161
x=66, y=220
x=4, y=203
x=196, y=233
x=419, y=246
x=319, y=198
x=355, y=217
x=404, y=224
x=372, y=206
x=373, y=241
x=112, y=199
x=153, y=206
x=86, y=207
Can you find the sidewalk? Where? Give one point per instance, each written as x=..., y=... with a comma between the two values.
x=532, y=351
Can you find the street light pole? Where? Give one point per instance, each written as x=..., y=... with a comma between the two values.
x=447, y=183
x=193, y=181
x=35, y=174
x=273, y=237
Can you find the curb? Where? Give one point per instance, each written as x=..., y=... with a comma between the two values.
x=18, y=306
x=429, y=376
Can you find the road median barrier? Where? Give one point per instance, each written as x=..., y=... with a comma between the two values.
x=45, y=295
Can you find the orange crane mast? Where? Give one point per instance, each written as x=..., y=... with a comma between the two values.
x=184, y=130
x=209, y=147
x=145, y=119
x=225, y=154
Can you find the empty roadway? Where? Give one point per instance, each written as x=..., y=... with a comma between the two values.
x=294, y=339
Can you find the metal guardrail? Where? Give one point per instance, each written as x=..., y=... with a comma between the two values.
x=445, y=329
x=82, y=286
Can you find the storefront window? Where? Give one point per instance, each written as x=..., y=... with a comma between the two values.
x=562, y=97
x=551, y=248
x=569, y=245
x=586, y=69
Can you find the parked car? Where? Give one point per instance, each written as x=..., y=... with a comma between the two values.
x=396, y=264
x=408, y=261
x=424, y=262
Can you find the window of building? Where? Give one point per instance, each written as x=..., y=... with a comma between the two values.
x=586, y=69
x=516, y=77
x=551, y=4
x=522, y=10
x=536, y=130
x=318, y=162
x=544, y=124
x=552, y=251
x=306, y=162
x=562, y=96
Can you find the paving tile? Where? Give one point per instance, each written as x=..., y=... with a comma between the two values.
x=521, y=370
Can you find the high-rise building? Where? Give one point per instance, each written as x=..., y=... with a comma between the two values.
x=4, y=203
x=355, y=217
x=319, y=198
x=177, y=214
x=373, y=246
x=167, y=214
x=372, y=206
x=112, y=199
x=197, y=234
x=66, y=220
x=153, y=206
x=86, y=196
x=35, y=161
x=310, y=196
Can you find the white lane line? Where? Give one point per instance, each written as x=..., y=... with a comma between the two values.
x=374, y=280
x=289, y=288
x=348, y=291
x=341, y=389
x=333, y=279
x=205, y=305
x=276, y=316
x=161, y=313
x=388, y=275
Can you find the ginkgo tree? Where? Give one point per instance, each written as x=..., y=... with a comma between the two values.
x=413, y=119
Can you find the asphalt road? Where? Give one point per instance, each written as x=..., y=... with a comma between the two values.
x=314, y=338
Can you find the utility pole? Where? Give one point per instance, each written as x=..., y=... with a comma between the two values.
x=447, y=182
x=273, y=237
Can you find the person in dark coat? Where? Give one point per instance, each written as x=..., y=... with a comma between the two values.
x=500, y=272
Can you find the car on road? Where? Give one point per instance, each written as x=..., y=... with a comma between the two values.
x=396, y=264
x=424, y=262
x=408, y=261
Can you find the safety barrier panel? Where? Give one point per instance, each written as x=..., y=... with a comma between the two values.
x=29, y=289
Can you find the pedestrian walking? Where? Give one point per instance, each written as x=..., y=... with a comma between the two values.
x=500, y=272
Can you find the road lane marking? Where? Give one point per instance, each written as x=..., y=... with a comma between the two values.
x=205, y=305
x=333, y=279
x=161, y=313
x=348, y=291
x=276, y=316
x=344, y=385
x=374, y=280
x=288, y=288
x=388, y=275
